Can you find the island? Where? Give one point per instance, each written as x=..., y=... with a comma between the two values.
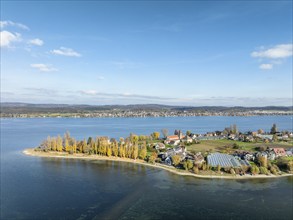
x=227, y=154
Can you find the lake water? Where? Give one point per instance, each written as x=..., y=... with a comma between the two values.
x=51, y=188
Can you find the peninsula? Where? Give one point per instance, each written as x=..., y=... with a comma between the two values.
x=228, y=154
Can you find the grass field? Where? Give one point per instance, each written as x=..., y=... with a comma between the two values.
x=224, y=145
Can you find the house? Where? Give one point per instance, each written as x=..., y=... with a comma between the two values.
x=289, y=152
x=280, y=152
x=174, y=142
x=160, y=146
x=179, y=149
x=172, y=138
x=249, y=157
x=187, y=139
x=268, y=137
x=231, y=136
x=271, y=155
x=198, y=158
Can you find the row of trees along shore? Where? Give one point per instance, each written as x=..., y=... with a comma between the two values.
x=132, y=147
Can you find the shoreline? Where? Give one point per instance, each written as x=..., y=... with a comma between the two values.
x=31, y=152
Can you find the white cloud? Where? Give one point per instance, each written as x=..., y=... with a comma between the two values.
x=89, y=92
x=4, y=24
x=66, y=52
x=7, y=38
x=276, y=52
x=44, y=67
x=266, y=66
x=36, y=41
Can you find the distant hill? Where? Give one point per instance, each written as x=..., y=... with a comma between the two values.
x=27, y=108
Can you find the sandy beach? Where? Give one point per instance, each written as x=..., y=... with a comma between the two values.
x=32, y=152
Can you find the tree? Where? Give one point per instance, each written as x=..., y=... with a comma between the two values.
x=155, y=135
x=74, y=146
x=152, y=158
x=260, y=131
x=188, y=133
x=263, y=161
x=254, y=169
x=109, y=151
x=274, y=129
x=143, y=151
x=54, y=144
x=218, y=168
x=234, y=129
x=165, y=132
x=121, y=150
x=59, y=143
x=189, y=164
x=67, y=147
x=84, y=146
x=176, y=160
x=135, y=152
x=115, y=149
x=184, y=164
x=195, y=169
x=263, y=170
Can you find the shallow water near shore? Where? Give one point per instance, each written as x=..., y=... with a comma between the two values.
x=55, y=188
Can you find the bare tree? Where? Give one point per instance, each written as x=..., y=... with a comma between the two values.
x=165, y=132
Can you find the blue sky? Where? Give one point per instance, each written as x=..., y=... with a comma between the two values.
x=195, y=53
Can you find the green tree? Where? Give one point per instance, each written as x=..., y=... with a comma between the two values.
x=274, y=129
x=184, y=164
x=188, y=133
x=254, y=169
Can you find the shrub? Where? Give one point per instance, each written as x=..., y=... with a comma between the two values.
x=195, y=169
x=189, y=164
x=254, y=169
x=232, y=171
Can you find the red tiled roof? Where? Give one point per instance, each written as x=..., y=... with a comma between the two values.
x=279, y=151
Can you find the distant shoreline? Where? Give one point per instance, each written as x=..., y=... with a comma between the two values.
x=31, y=152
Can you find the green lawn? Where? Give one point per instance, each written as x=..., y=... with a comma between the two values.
x=223, y=145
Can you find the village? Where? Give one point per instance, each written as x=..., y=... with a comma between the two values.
x=267, y=158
